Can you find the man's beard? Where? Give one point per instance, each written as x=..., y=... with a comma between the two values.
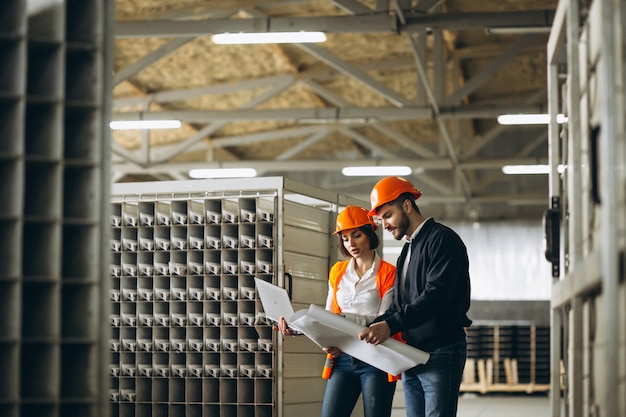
x=403, y=226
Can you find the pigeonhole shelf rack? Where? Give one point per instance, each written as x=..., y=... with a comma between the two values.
x=187, y=333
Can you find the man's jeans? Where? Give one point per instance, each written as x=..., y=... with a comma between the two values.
x=351, y=377
x=432, y=389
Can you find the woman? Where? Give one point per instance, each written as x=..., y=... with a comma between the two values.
x=360, y=289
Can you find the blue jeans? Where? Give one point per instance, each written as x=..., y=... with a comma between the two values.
x=432, y=389
x=349, y=378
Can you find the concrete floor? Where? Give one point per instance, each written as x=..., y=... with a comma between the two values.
x=472, y=405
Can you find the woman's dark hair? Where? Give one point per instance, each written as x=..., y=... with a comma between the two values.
x=369, y=231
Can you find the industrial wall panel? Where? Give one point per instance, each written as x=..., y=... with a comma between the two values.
x=306, y=241
x=306, y=217
x=305, y=390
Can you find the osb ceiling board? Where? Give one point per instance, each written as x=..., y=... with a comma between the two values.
x=357, y=98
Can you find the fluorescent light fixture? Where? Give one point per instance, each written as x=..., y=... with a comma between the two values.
x=268, y=37
x=530, y=169
x=144, y=124
x=376, y=171
x=521, y=30
x=223, y=173
x=529, y=119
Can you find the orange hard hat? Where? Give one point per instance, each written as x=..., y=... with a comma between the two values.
x=353, y=217
x=388, y=189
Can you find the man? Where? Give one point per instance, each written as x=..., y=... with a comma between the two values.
x=431, y=299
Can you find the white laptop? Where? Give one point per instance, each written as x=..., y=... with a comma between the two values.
x=276, y=303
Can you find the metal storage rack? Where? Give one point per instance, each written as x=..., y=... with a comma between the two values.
x=53, y=154
x=188, y=336
x=586, y=78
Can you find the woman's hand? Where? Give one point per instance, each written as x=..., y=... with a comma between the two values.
x=282, y=327
x=333, y=351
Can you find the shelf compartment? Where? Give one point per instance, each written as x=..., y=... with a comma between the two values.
x=44, y=139
x=83, y=23
x=9, y=410
x=10, y=249
x=12, y=18
x=193, y=391
x=80, y=252
x=78, y=383
x=81, y=203
x=40, y=373
x=9, y=363
x=81, y=123
x=12, y=128
x=39, y=410
x=41, y=306
x=45, y=75
x=47, y=21
x=42, y=198
x=82, y=70
x=130, y=214
x=213, y=211
x=13, y=59
x=80, y=307
x=79, y=410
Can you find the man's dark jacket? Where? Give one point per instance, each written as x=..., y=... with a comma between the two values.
x=431, y=310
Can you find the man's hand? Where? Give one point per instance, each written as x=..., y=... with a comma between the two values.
x=376, y=334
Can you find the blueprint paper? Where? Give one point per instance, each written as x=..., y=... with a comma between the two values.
x=328, y=329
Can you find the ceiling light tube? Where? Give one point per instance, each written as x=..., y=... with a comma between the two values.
x=529, y=119
x=520, y=30
x=144, y=124
x=530, y=169
x=268, y=37
x=223, y=173
x=376, y=171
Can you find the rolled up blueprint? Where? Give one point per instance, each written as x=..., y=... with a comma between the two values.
x=327, y=329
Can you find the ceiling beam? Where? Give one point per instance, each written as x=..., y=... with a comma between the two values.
x=263, y=136
x=149, y=59
x=317, y=136
x=443, y=130
x=383, y=128
x=182, y=94
x=362, y=140
x=403, y=140
x=426, y=6
x=352, y=6
x=478, y=21
x=373, y=23
x=366, y=23
x=496, y=131
x=347, y=115
x=323, y=164
x=356, y=74
x=494, y=66
x=275, y=89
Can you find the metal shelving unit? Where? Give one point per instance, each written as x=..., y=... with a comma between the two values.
x=12, y=114
x=52, y=161
x=586, y=76
x=188, y=335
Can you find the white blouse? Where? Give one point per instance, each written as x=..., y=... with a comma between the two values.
x=359, y=298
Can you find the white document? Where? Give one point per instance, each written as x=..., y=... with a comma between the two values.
x=328, y=329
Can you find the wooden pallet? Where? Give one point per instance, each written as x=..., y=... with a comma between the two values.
x=478, y=376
